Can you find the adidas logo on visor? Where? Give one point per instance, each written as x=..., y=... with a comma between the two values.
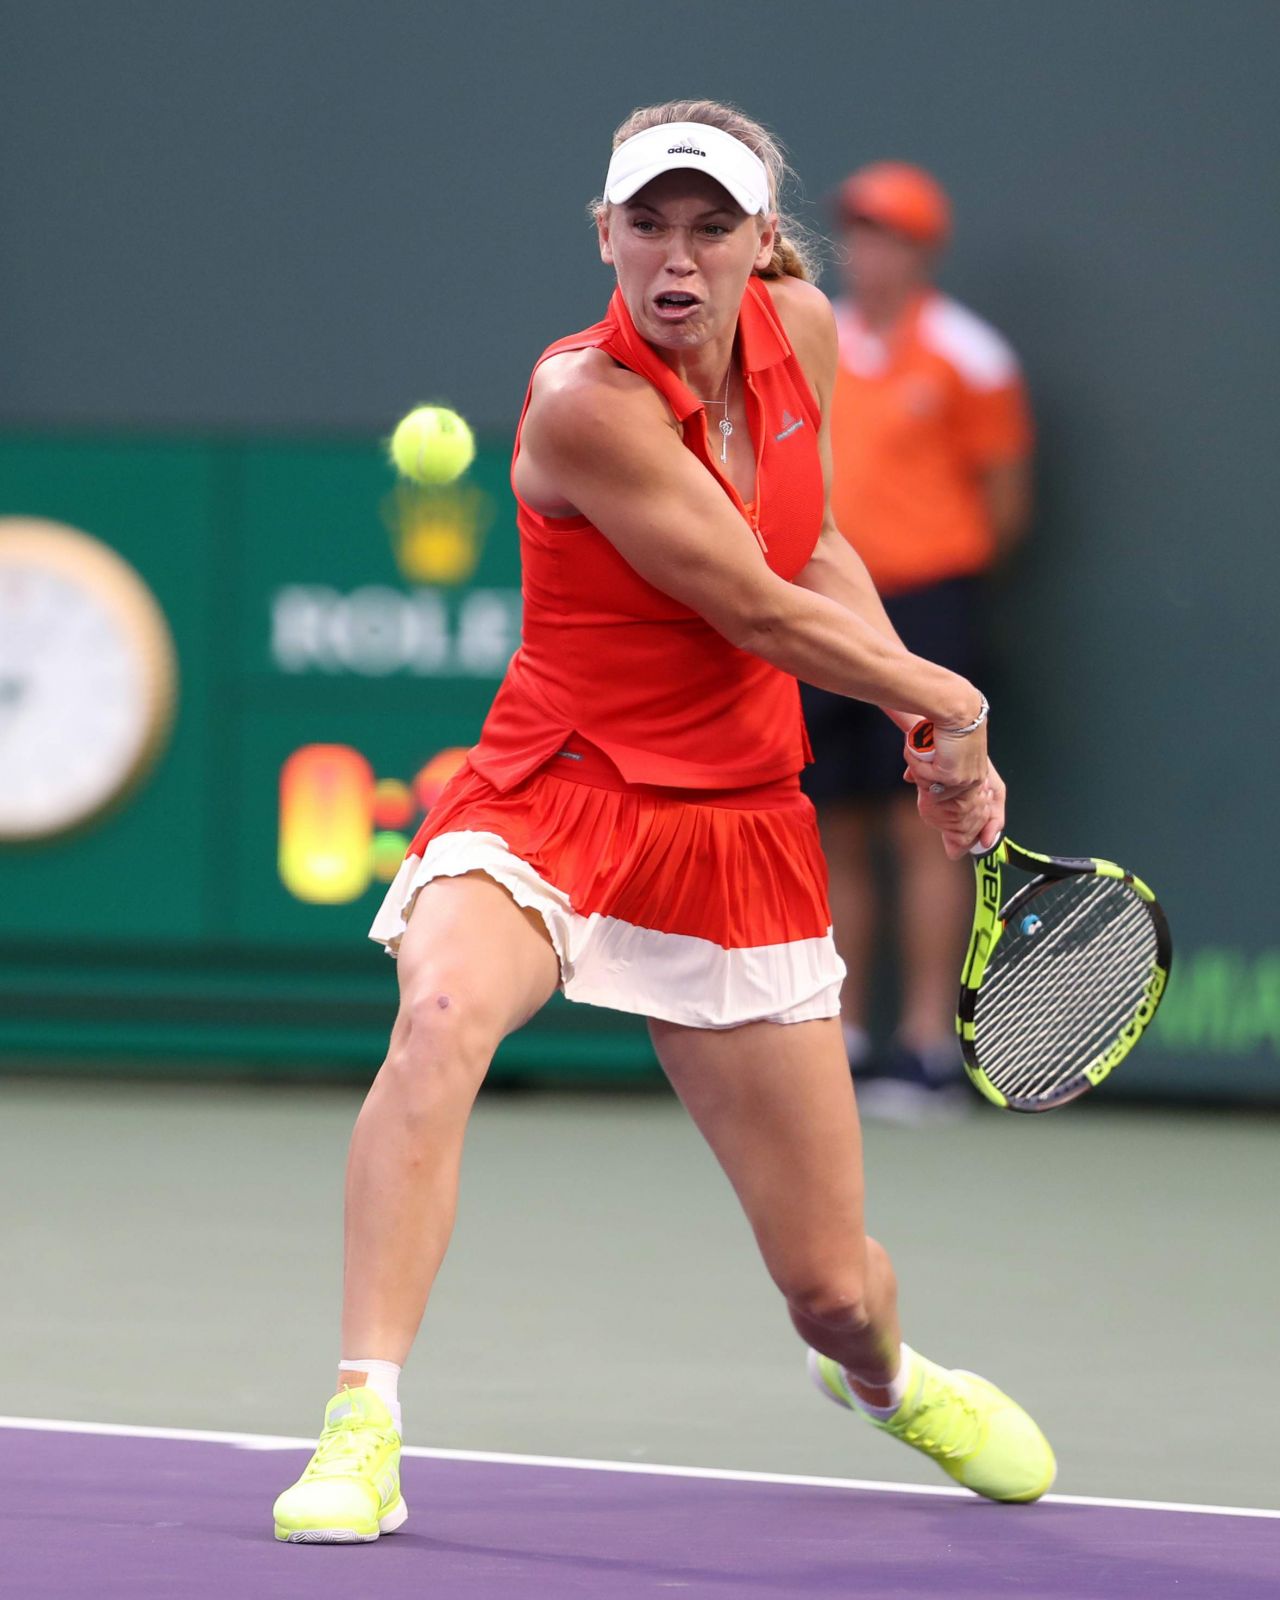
x=644, y=155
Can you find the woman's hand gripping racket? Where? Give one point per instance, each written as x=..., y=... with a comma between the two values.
x=1062, y=979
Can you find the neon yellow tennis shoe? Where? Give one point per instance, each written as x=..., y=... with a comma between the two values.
x=974, y=1431
x=350, y=1490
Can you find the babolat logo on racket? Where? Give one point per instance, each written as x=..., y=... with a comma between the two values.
x=1129, y=1036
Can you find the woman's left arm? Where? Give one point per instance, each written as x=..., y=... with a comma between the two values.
x=835, y=569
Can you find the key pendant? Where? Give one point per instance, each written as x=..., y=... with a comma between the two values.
x=726, y=428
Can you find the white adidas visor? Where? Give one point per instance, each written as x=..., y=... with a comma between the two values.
x=645, y=156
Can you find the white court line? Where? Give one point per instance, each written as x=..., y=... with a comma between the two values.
x=267, y=1441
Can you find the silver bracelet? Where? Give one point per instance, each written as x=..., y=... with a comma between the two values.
x=972, y=727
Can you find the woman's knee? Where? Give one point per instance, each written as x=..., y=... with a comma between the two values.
x=444, y=1037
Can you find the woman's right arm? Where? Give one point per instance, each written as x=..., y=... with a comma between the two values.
x=604, y=439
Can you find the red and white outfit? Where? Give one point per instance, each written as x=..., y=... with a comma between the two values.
x=637, y=778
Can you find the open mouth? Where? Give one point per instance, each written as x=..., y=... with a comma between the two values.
x=675, y=304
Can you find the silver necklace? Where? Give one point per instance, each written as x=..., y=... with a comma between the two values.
x=726, y=426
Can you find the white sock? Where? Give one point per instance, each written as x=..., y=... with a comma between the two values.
x=899, y=1387
x=383, y=1377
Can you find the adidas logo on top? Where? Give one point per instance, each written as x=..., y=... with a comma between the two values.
x=789, y=426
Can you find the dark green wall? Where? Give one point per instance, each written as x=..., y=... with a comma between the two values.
x=295, y=218
x=297, y=213
x=295, y=581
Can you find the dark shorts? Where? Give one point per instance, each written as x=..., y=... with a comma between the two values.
x=857, y=751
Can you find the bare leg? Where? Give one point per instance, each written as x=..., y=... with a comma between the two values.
x=846, y=830
x=935, y=905
x=775, y=1103
x=473, y=966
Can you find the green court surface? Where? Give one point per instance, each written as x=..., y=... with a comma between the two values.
x=172, y=1258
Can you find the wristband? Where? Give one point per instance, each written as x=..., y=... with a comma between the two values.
x=971, y=727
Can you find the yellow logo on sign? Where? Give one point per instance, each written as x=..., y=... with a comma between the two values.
x=438, y=534
x=341, y=827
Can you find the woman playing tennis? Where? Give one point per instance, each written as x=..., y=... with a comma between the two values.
x=630, y=827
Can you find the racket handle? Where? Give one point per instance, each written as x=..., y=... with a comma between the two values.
x=920, y=738
x=920, y=742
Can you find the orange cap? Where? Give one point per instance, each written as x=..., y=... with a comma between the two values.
x=900, y=197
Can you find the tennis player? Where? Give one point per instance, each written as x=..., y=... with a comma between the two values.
x=630, y=827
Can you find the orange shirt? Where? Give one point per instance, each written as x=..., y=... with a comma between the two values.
x=915, y=419
x=608, y=656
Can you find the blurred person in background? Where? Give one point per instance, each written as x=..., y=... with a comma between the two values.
x=931, y=439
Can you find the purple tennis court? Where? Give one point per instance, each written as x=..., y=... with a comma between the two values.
x=108, y=1515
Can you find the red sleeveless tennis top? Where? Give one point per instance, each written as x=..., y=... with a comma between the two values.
x=607, y=656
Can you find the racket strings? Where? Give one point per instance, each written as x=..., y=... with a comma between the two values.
x=1043, y=1068
x=1076, y=973
x=1013, y=982
x=1069, y=917
x=1083, y=979
x=1098, y=1019
x=1036, y=950
x=1051, y=1003
x=1090, y=984
x=1054, y=1034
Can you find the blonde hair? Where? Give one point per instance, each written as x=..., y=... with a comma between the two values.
x=794, y=253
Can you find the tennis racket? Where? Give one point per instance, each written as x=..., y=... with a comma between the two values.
x=1061, y=979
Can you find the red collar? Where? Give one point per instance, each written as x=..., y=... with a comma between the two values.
x=761, y=343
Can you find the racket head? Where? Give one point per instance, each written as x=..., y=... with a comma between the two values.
x=1061, y=980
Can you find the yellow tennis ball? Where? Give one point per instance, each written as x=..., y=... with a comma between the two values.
x=433, y=445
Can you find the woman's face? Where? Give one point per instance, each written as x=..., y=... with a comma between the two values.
x=683, y=251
